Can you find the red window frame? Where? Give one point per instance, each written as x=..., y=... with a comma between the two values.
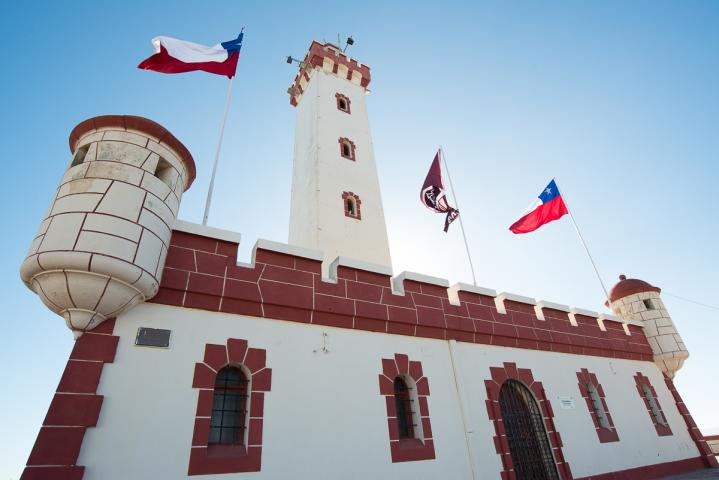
x=357, y=202
x=641, y=381
x=406, y=449
x=606, y=435
x=207, y=458
x=343, y=141
x=340, y=97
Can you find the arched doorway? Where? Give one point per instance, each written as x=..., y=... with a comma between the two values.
x=528, y=444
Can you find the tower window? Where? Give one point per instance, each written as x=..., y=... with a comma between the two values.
x=343, y=103
x=352, y=204
x=347, y=148
x=403, y=407
x=229, y=408
x=80, y=155
x=164, y=171
x=648, y=304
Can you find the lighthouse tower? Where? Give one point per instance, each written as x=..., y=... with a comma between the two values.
x=336, y=202
x=633, y=299
x=101, y=248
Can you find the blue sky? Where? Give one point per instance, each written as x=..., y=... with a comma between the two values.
x=618, y=100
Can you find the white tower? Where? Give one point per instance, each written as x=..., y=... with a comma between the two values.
x=336, y=201
x=101, y=248
x=633, y=299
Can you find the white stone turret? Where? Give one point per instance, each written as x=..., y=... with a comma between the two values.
x=633, y=299
x=336, y=202
x=101, y=248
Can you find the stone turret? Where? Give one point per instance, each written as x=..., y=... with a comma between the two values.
x=101, y=248
x=633, y=299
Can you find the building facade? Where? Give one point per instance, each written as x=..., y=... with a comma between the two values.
x=314, y=360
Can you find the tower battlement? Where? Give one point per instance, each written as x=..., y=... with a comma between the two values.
x=285, y=282
x=331, y=59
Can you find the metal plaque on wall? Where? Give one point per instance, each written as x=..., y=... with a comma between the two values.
x=152, y=337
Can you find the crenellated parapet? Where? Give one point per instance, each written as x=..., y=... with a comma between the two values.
x=285, y=282
x=331, y=59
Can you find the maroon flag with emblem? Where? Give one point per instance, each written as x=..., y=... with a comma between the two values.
x=433, y=195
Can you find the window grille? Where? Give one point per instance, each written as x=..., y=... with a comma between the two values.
x=653, y=406
x=597, y=406
x=229, y=407
x=403, y=406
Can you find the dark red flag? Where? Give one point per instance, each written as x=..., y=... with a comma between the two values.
x=433, y=195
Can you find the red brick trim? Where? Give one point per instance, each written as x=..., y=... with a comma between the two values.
x=74, y=408
x=407, y=449
x=214, y=459
x=700, y=440
x=346, y=141
x=348, y=102
x=202, y=272
x=647, y=472
x=605, y=435
x=641, y=381
x=358, y=205
x=501, y=444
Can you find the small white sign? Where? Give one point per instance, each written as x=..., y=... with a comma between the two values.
x=566, y=403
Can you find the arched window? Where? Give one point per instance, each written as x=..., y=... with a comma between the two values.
x=653, y=405
x=343, y=103
x=229, y=407
x=347, y=148
x=403, y=406
x=352, y=205
x=597, y=406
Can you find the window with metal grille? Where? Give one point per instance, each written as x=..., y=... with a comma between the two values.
x=229, y=407
x=597, y=406
x=403, y=405
x=653, y=405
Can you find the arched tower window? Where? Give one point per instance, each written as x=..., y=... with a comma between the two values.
x=403, y=407
x=343, y=103
x=352, y=204
x=347, y=148
x=229, y=407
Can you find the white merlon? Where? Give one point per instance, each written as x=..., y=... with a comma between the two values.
x=581, y=311
x=609, y=317
x=357, y=265
x=453, y=291
x=398, y=281
x=287, y=249
x=541, y=305
x=205, y=231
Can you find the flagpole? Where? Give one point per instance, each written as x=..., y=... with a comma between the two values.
x=217, y=153
x=581, y=239
x=461, y=224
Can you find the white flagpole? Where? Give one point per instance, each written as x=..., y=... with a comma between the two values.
x=581, y=239
x=461, y=225
x=217, y=153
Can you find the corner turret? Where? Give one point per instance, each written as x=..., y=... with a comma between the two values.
x=101, y=248
x=634, y=299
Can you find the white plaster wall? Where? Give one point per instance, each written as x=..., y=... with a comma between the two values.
x=321, y=174
x=324, y=417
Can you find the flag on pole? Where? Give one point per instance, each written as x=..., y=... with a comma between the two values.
x=178, y=56
x=548, y=207
x=433, y=195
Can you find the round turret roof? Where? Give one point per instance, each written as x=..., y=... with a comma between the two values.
x=140, y=124
x=630, y=286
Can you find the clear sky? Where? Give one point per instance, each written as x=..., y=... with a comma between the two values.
x=618, y=100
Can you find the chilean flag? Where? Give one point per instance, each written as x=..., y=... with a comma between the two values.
x=549, y=207
x=178, y=56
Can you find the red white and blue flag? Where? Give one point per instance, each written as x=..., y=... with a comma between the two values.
x=178, y=56
x=549, y=207
x=433, y=195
